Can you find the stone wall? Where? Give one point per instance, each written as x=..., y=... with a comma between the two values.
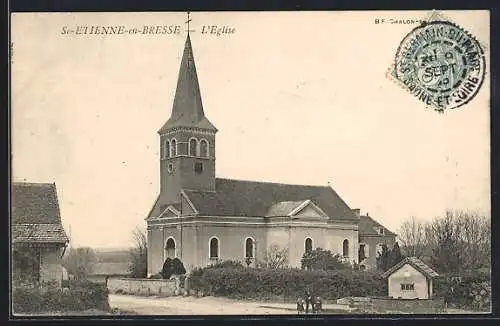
x=407, y=305
x=163, y=288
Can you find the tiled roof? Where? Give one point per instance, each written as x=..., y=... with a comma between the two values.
x=35, y=214
x=110, y=269
x=368, y=226
x=34, y=203
x=187, y=110
x=252, y=198
x=38, y=233
x=283, y=208
x=414, y=262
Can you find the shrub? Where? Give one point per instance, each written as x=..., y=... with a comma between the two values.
x=275, y=257
x=471, y=289
x=287, y=283
x=323, y=259
x=178, y=267
x=166, y=271
x=82, y=295
x=227, y=264
x=172, y=267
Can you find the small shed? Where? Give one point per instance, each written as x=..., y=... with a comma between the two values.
x=411, y=278
x=38, y=237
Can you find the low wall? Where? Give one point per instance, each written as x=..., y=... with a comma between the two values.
x=407, y=305
x=164, y=288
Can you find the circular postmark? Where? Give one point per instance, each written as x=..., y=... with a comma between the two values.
x=441, y=64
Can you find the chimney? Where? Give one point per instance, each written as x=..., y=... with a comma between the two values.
x=357, y=211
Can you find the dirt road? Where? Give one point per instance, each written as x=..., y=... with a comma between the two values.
x=195, y=306
x=214, y=306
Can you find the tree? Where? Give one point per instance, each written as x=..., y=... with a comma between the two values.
x=139, y=254
x=275, y=258
x=323, y=260
x=447, y=253
x=412, y=236
x=395, y=255
x=458, y=240
x=79, y=262
x=383, y=259
x=474, y=234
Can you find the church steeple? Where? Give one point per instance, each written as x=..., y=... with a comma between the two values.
x=187, y=140
x=187, y=110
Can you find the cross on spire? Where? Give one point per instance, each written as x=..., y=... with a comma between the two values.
x=187, y=22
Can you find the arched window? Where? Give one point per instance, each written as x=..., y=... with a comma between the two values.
x=173, y=147
x=170, y=248
x=204, y=148
x=193, y=147
x=345, y=248
x=166, y=150
x=214, y=248
x=249, y=248
x=308, y=245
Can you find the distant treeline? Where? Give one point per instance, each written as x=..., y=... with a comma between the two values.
x=111, y=256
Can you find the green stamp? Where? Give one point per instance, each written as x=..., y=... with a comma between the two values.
x=441, y=64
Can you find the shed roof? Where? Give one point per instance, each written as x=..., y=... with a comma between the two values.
x=414, y=262
x=35, y=214
x=38, y=233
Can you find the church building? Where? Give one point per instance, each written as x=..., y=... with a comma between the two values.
x=202, y=219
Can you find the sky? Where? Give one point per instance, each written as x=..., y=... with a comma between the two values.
x=298, y=97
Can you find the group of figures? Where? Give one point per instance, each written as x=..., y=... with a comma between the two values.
x=310, y=300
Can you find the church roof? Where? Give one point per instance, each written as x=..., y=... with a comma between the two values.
x=252, y=198
x=368, y=226
x=283, y=208
x=35, y=213
x=187, y=110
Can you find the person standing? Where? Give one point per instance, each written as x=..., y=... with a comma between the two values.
x=308, y=300
x=447, y=298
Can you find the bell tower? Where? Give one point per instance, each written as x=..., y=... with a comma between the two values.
x=187, y=139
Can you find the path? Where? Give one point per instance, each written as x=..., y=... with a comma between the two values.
x=198, y=306
x=213, y=306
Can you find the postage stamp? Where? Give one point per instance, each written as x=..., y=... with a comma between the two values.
x=440, y=63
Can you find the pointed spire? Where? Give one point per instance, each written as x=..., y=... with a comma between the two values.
x=187, y=110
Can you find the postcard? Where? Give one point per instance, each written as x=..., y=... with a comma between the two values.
x=250, y=163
